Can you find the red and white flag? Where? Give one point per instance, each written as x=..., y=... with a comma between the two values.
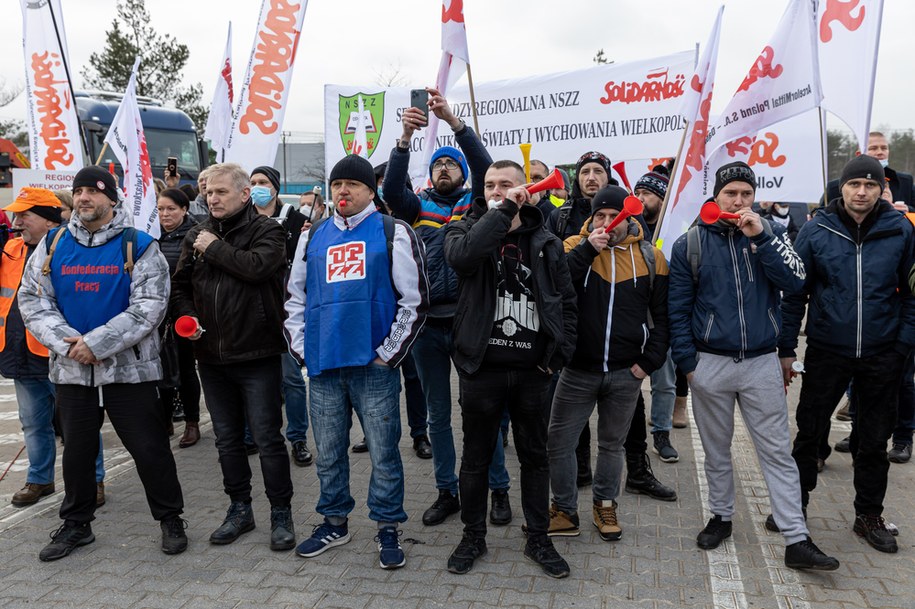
x=54, y=141
x=848, y=35
x=455, y=58
x=219, y=121
x=128, y=142
x=783, y=81
x=685, y=191
x=261, y=103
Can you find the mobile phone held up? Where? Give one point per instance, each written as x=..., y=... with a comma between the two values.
x=173, y=167
x=419, y=99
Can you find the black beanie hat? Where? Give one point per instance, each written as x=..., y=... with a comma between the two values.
x=609, y=197
x=354, y=167
x=96, y=177
x=177, y=196
x=866, y=167
x=738, y=171
x=655, y=181
x=272, y=174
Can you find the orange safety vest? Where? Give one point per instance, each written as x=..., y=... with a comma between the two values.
x=11, y=267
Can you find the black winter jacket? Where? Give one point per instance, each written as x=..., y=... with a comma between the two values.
x=235, y=289
x=860, y=302
x=471, y=248
x=170, y=243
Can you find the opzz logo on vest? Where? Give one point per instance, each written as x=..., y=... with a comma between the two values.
x=346, y=262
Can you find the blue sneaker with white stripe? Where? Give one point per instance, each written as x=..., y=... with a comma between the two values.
x=323, y=537
x=390, y=554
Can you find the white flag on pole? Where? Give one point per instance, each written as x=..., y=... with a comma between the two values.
x=360, y=140
x=128, y=142
x=261, y=104
x=54, y=141
x=452, y=66
x=219, y=121
x=848, y=36
x=684, y=192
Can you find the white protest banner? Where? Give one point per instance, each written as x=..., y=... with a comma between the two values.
x=683, y=199
x=848, y=35
x=625, y=110
x=783, y=81
x=54, y=141
x=127, y=141
x=786, y=158
x=42, y=178
x=219, y=120
x=261, y=104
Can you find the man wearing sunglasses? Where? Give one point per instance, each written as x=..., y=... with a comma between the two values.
x=429, y=213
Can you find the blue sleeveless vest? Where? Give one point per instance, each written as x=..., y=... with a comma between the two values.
x=90, y=283
x=350, y=303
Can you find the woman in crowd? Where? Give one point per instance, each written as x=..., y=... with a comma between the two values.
x=173, y=206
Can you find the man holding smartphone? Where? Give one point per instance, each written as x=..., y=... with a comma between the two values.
x=429, y=213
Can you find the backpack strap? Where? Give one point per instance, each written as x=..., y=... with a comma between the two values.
x=284, y=213
x=563, y=219
x=129, y=247
x=648, y=255
x=694, y=251
x=51, y=245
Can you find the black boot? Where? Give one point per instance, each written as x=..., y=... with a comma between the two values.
x=640, y=479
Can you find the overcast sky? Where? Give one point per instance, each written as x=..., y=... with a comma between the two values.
x=352, y=42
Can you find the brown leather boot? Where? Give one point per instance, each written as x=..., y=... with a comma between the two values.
x=100, y=494
x=31, y=493
x=680, y=419
x=191, y=435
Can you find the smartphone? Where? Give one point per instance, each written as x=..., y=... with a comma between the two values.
x=173, y=166
x=419, y=98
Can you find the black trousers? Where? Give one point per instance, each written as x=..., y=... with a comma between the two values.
x=134, y=412
x=876, y=389
x=189, y=389
x=483, y=399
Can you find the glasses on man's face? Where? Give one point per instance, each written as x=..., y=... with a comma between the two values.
x=444, y=164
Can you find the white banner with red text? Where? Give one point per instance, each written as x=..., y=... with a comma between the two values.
x=626, y=111
x=261, y=103
x=54, y=141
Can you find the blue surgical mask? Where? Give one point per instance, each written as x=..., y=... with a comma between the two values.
x=380, y=193
x=884, y=163
x=261, y=195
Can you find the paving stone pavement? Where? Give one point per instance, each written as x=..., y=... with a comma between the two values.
x=655, y=565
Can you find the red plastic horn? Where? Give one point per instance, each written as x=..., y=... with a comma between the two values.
x=554, y=180
x=186, y=326
x=620, y=168
x=111, y=168
x=711, y=213
x=632, y=206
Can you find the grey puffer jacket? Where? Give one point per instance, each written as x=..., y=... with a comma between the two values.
x=127, y=345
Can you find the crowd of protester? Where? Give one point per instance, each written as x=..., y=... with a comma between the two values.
x=547, y=305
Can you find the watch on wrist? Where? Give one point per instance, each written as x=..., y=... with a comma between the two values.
x=402, y=145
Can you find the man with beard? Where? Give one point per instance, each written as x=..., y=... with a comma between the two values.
x=592, y=172
x=429, y=213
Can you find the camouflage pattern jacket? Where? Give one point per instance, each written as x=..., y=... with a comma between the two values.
x=128, y=344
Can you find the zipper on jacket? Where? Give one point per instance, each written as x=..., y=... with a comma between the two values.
x=606, y=366
x=746, y=258
x=859, y=292
x=774, y=323
x=644, y=337
x=740, y=316
x=708, y=327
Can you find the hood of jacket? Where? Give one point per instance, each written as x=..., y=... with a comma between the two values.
x=106, y=233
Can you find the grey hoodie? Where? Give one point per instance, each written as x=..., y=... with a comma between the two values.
x=128, y=345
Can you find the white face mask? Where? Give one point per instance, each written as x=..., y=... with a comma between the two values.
x=305, y=210
x=884, y=163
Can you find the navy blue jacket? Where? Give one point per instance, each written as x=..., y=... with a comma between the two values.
x=430, y=212
x=733, y=310
x=860, y=302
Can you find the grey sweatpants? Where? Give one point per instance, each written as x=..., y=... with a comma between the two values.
x=757, y=386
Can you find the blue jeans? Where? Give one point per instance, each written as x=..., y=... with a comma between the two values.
x=663, y=394
x=432, y=354
x=36, y=399
x=295, y=394
x=249, y=392
x=374, y=393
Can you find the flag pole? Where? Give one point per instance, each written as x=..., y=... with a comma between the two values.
x=473, y=101
x=101, y=154
x=822, y=153
x=673, y=173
